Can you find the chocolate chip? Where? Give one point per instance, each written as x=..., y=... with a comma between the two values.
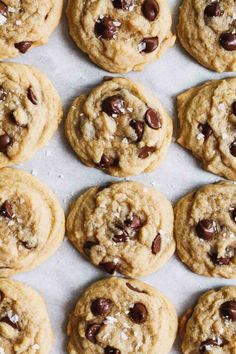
x=113, y=105
x=3, y=94
x=110, y=267
x=153, y=119
x=101, y=307
x=106, y=28
x=111, y=350
x=150, y=9
x=123, y=4
x=233, y=214
x=206, y=229
x=23, y=46
x=148, y=45
x=6, y=210
x=5, y=141
x=213, y=10
x=124, y=237
x=3, y=9
x=29, y=245
x=138, y=128
x=228, y=41
x=138, y=314
x=210, y=343
x=234, y=108
x=233, y=148
x=206, y=130
x=156, y=245
x=228, y=310
x=220, y=261
x=146, y=151
x=91, y=332
x=134, y=222
x=7, y=320
x=89, y=244
x=106, y=161
x=31, y=96
x=131, y=287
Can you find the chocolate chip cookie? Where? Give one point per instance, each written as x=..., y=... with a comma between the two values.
x=207, y=30
x=211, y=327
x=31, y=222
x=119, y=128
x=122, y=316
x=205, y=230
x=30, y=111
x=26, y=24
x=125, y=227
x=121, y=35
x=24, y=322
x=207, y=116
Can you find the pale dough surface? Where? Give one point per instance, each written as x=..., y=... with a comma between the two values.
x=93, y=133
x=206, y=323
x=35, y=227
x=27, y=21
x=210, y=104
x=200, y=35
x=121, y=53
x=101, y=215
x=117, y=330
x=24, y=323
x=30, y=111
x=215, y=202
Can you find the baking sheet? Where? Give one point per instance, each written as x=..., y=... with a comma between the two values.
x=64, y=276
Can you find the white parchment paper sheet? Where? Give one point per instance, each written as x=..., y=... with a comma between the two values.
x=64, y=276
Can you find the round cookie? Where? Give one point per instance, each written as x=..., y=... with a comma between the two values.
x=205, y=230
x=119, y=128
x=125, y=227
x=206, y=30
x=30, y=111
x=26, y=24
x=143, y=322
x=121, y=35
x=212, y=326
x=31, y=222
x=24, y=322
x=207, y=116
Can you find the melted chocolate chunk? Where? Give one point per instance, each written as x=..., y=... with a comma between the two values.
x=153, y=119
x=123, y=4
x=134, y=222
x=228, y=310
x=131, y=287
x=6, y=210
x=111, y=350
x=91, y=332
x=206, y=229
x=206, y=130
x=210, y=343
x=213, y=10
x=101, y=307
x=3, y=9
x=8, y=321
x=148, y=45
x=146, y=151
x=23, y=46
x=109, y=267
x=138, y=314
x=106, y=162
x=113, y=105
x=124, y=237
x=228, y=41
x=150, y=9
x=106, y=28
x=156, y=245
x=31, y=96
x=138, y=127
x=5, y=141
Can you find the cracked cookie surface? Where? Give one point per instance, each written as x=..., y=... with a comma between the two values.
x=125, y=227
x=206, y=30
x=24, y=322
x=212, y=326
x=205, y=230
x=31, y=222
x=30, y=112
x=119, y=128
x=207, y=116
x=143, y=322
x=26, y=24
x=119, y=35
